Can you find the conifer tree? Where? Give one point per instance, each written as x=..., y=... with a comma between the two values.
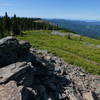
x=15, y=26
x=69, y=36
x=1, y=28
x=6, y=24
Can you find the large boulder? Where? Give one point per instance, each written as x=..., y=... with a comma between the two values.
x=11, y=50
x=13, y=71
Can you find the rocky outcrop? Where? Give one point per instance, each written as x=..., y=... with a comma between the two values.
x=30, y=74
x=11, y=50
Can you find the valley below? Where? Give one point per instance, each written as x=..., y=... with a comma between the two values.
x=85, y=27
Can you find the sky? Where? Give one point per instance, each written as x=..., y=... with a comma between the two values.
x=63, y=9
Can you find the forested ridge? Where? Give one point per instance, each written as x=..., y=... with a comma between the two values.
x=81, y=27
x=15, y=25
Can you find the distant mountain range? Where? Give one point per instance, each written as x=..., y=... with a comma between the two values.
x=86, y=28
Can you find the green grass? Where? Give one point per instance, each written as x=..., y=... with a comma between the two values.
x=72, y=51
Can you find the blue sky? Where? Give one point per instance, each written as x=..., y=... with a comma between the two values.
x=67, y=9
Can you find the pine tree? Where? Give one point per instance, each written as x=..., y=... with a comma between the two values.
x=15, y=26
x=1, y=28
x=69, y=36
x=6, y=24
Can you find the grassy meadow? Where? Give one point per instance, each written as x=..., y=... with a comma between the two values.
x=84, y=53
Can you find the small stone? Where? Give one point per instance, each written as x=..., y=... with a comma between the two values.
x=88, y=96
x=10, y=91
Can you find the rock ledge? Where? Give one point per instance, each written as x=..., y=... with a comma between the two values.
x=30, y=74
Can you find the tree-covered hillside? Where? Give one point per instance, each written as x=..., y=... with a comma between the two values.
x=15, y=25
x=85, y=28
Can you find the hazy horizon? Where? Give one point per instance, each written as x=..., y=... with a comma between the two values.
x=52, y=9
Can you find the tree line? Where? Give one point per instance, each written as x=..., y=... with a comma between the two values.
x=15, y=25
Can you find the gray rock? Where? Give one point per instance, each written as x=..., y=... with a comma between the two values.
x=13, y=70
x=25, y=46
x=11, y=50
x=89, y=96
x=10, y=91
x=63, y=96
